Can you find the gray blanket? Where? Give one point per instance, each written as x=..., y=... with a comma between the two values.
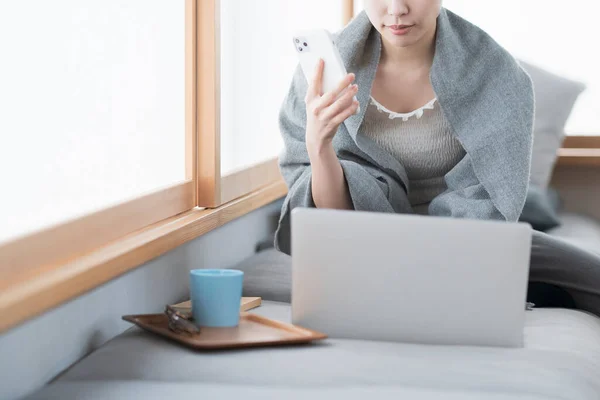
x=488, y=100
x=484, y=94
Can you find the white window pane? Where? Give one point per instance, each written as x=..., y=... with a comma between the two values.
x=257, y=64
x=92, y=104
x=557, y=36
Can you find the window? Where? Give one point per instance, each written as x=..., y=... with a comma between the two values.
x=122, y=120
x=257, y=63
x=97, y=127
x=93, y=104
x=553, y=35
x=256, y=66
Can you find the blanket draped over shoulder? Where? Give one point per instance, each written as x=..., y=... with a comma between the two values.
x=484, y=94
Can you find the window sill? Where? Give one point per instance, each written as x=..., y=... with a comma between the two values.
x=579, y=157
x=26, y=297
x=580, y=151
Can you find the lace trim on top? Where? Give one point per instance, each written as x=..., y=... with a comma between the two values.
x=405, y=116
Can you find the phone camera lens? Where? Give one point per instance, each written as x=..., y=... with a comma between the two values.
x=300, y=48
x=305, y=44
x=297, y=40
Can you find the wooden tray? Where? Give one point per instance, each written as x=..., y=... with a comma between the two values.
x=252, y=331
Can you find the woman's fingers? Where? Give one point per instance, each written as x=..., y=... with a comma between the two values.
x=341, y=117
x=325, y=113
x=348, y=79
x=328, y=98
x=340, y=104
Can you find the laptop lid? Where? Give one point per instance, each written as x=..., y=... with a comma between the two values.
x=409, y=278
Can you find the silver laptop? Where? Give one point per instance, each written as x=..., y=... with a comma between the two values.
x=409, y=278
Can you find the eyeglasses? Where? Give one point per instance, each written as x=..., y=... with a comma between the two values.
x=179, y=322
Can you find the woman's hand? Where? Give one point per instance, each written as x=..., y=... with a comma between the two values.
x=325, y=112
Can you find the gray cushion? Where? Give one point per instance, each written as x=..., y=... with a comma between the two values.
x=561, y=359
x=268, y=274
x=579, y=230
x=554, y=100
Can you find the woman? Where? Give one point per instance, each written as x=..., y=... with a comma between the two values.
x=445, y=128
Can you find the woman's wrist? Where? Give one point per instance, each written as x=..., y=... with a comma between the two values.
x=329, y=188
x=318, y=148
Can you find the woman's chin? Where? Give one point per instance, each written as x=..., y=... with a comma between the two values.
x=400, y=41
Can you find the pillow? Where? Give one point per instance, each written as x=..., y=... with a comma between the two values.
x=540, y=209
x=555, y=97
x=267, y=274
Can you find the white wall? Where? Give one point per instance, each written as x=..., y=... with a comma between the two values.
x=35, y=352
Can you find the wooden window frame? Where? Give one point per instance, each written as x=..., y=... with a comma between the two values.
x=24, y=296
x=582, y=151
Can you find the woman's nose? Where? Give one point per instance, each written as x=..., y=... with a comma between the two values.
x=397, y=8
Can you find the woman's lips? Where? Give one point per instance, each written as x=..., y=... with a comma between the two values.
x=399, y=30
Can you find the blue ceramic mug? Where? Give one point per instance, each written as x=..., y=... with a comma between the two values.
x=216, y=295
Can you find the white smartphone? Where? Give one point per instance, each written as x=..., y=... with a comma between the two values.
x=314, y=44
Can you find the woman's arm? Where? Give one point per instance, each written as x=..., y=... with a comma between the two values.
x=366, y=187
x=329, y=186
x=325, y=113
